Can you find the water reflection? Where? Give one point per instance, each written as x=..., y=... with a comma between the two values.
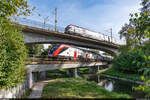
x=116, y=85
x=109, y=86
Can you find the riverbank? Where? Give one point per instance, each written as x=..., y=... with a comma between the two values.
x=77, y=88
x=115, y=73
x=133, y=78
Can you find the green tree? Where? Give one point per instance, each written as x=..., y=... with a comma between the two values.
x=141, y=28
x=136, y=21
x=137, y=30
x=35, y=49
x=124, y=32
x=44, y=53
x=12, y=48
x=135, y=56
x=145, y=5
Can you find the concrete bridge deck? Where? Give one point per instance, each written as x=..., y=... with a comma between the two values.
x=52, y=65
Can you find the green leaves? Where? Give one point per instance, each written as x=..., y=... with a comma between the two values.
x=129, y=60
x=137, y=57
x=12, y=48
x=137, y=30
x=14, y=7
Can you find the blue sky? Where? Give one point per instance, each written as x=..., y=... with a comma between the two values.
x=96, y=15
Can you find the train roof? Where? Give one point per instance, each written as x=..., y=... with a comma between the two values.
x=85, y=28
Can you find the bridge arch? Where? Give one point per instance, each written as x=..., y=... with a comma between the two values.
x=39, y=36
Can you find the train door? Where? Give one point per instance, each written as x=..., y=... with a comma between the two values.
x=86, y=58
x=75, y=55
x=96, y=58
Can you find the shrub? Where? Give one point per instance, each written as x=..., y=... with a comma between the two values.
x=129, y=61
x=12, y=55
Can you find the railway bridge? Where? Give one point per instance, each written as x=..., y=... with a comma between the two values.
x=37, y=68
x=35, y=35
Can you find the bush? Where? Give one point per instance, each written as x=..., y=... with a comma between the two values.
x=44, y=54
x=129, y=61
x=12, y=55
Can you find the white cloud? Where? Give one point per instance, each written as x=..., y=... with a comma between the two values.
x=98, y=17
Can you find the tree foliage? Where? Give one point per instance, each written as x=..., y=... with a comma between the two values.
x=137, y=30
x=129, y=61
x=145, y=5
x=135, y=56
x=141, y=28
x=12, y=48
x=35, y=49
x=14, y=8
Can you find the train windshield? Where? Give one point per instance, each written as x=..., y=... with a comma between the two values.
x=53, y=50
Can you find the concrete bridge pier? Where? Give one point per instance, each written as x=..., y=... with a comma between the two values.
x=72, y=72
x=94, y=70
x=76, y=73
x=31, y=79
x=35, y=76
x=69, y=72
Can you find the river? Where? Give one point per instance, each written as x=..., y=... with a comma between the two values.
x=114, y=85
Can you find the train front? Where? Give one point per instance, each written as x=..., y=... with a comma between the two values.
x=59, y=50
x=52, y=51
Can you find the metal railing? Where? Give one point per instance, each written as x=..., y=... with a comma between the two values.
x=41, y=25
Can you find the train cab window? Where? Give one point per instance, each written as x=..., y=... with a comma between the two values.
x=53, y=50
x=63, y=49
x=68, y=28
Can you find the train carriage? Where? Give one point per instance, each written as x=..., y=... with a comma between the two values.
x=76, y=30
x=70, y=52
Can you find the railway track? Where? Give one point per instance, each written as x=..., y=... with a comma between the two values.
x=57, y=61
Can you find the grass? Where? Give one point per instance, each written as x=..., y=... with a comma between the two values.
x=116, y=73
x=147, y=92
x=83, y=72
x=61, y=72
x=77, y=88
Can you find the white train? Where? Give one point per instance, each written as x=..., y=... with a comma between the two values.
x=72, y=29
x=67, y=51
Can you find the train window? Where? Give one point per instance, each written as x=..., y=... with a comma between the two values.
x=53, y=50
x=63, y=49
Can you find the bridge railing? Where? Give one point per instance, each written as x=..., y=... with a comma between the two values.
x=41, y=25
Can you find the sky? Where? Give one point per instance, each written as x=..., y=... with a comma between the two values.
x=96, y=15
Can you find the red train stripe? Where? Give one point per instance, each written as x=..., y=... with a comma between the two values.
x=59, y=48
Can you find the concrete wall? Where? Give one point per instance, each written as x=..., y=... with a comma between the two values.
x=15, y=92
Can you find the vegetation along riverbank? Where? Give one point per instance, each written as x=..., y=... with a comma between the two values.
x=77, y=88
